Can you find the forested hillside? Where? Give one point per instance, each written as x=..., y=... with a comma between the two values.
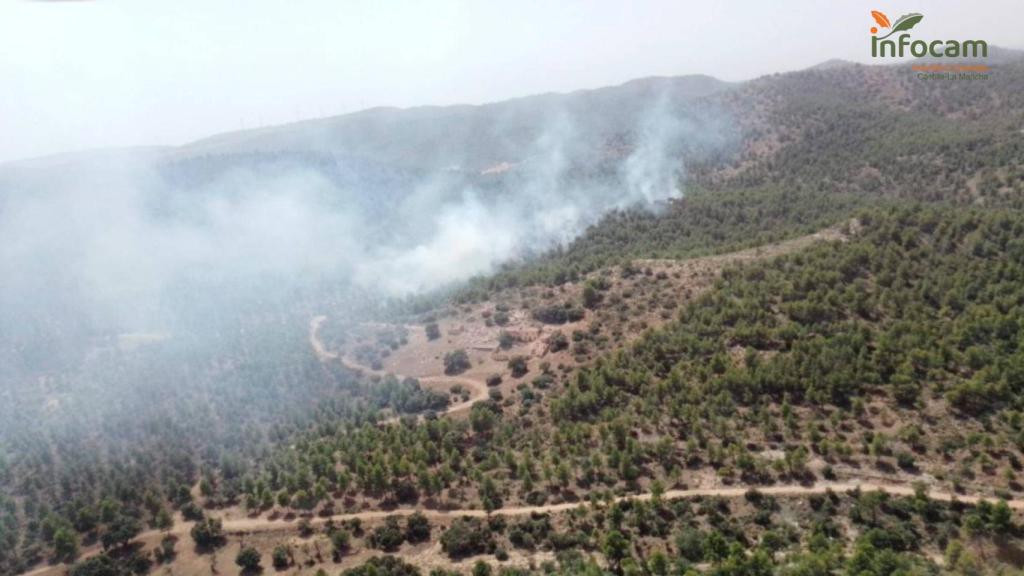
x=816, y=145
x=894, y=354
x=915, y=322
x=832, y=355
x=889, y=353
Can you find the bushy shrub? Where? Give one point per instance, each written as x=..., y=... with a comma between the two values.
x=518, y=366
x=383, y=566
x=417, y=528
x=387, y=537
x=558, y=314
x=208, y=533
x=456, y=362
x=466, y=537
x=557, y=341
x=433, y=331
x=248, y=558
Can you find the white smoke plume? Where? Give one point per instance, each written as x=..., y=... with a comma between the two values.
x=111, y=244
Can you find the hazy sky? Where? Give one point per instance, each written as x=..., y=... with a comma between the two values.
x=84, y=74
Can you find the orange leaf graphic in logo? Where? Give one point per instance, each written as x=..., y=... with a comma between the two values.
x=882, y=19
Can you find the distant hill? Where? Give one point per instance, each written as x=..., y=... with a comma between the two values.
x=491, y=133
x=478, y=136
x=464, y=137
x=832, y=64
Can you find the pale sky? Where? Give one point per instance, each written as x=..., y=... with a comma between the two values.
x=86, y=74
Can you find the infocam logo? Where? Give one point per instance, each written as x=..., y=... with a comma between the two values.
x=883, y=47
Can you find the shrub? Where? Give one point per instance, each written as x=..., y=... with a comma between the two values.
x=433, y=331
x=456, y=362
x=383, y=566
x=208, y=533
x=280, y=557
x=104, y=565
x=543, y=381
x=518, y=366
x=506, y=340
x=340, y=542
x=905, y=460
x=191, y=512
x=387, y=537
x=591, y=295
x=690, y=543
x=165, y=553
x=65, y=544
x=466, y=537
x=530, y=533
x=558, y=314
x=417, y=528
x=248, y=558
x=137, y=562
x=557, y=341
x=99, y=565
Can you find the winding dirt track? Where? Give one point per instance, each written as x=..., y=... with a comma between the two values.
x=478, y=389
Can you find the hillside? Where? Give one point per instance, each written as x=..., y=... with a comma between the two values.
x=493, y=133
x=699, y=387
x=816, y=145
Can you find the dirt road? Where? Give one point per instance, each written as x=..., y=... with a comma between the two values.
x=248, y=525
x=478, y=389
x=253, y=525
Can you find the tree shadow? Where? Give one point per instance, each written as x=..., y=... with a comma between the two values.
x=209, y=547
x=1010, y=553
x=124, y=551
